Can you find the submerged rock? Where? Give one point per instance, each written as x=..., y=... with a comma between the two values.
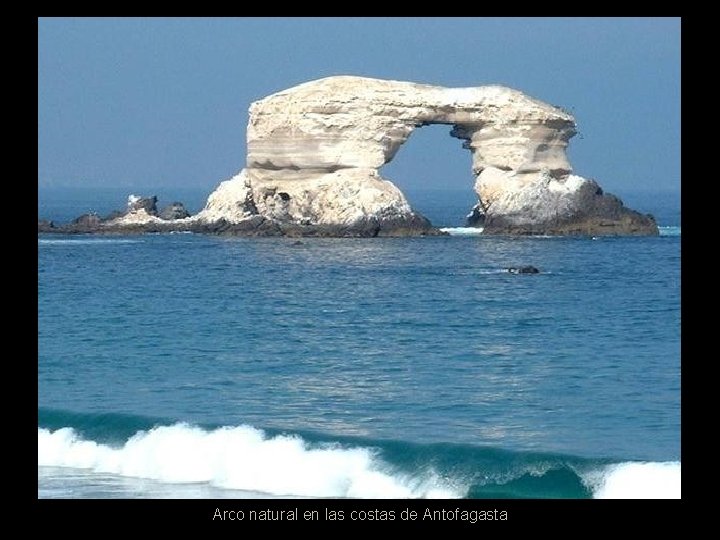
x=523, y=270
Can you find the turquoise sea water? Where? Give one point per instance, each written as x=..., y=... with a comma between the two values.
x=190, y=366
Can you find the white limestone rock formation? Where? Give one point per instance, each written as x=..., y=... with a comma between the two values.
x=142, y=214
x=314, y=151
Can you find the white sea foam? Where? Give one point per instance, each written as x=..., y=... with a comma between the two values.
x=463, y=231
x=636, y=480
x=477, y=231
x=242, y=458
x=669, y=231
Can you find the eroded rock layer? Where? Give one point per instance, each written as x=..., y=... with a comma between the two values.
x=314, y=152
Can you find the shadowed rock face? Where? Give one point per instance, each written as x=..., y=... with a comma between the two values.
x=147, y=204
x=314, y=152
x=87, y=221
x=175, y=210
x=45, y=225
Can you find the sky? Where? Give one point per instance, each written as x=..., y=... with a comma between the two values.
x=163, y=102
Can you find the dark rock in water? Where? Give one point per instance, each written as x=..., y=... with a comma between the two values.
x=523, y=270
x=476, y=217
x=135, y=220
x=149, y=204
x=254, y=226
x=86, y=223
x=413, y=225
x=409, y=225
x=175, y=210
x=586, y=210
x=45, y=225
x=87, y=220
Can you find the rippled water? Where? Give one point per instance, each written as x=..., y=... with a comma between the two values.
x=423, y=348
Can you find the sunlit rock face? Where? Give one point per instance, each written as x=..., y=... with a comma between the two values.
x=314, y=152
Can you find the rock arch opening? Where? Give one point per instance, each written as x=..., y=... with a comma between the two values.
x=434, y=172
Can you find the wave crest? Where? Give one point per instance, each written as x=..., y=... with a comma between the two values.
x=636, y=480
x=243, y=458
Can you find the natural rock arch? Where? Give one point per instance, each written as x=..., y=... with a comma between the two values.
x=314, y=151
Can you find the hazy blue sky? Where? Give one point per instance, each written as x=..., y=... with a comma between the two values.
x=163, y=102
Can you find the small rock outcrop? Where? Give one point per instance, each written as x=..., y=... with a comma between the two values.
x=90, y=221
x=137, y=203
x=115, y=214
x=45, y=225
x=142, y=211
x=173, y=211
x=476, y=217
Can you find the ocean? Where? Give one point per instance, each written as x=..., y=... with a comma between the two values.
x=183, y=366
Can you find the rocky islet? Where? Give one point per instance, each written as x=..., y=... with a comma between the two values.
x=314, y=152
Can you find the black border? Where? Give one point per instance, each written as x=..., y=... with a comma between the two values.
x=581, y=516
